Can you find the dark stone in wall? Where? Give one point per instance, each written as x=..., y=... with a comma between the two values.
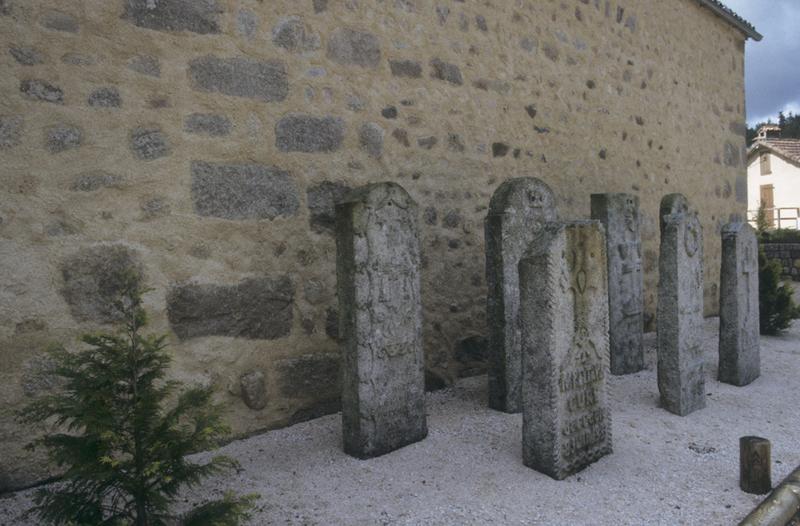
x=240, y=77
x=146, y=65
x=207, y=124
x=332, y=323
x=427, y=142
x=254, y=390
x=95, y=180
x=741, y=188
x=322, y=199
x=454, y=143
x=430, y=215
x=499, y=149
x=309, y=134
x=41, y=90
x=354, y=48
x=480, y=21
x=62, y=137
x=94, y=279
x=320, y=5
x=59, y=21
x=731, y=155
x=471, y=352
x=242, y=191
x=78, y=59
x=401, y=136
x=107, y=97
x=739, y=128
x=197, y=16
x=27, y=56
x=292, y=35
x=371, y=139
x=11, y=128
x=452, y=219
x=446, y=71
x=310, y=376
x=389, y=112
x=148, y=143
x=406, y=68
x=255, y=308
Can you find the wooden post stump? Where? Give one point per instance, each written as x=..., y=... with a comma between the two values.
x=755, y=465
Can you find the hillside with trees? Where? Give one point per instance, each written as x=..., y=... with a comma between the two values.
x=790, y=127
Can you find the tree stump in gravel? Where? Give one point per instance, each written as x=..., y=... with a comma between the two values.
x=755, y=465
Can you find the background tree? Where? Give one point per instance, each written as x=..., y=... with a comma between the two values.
x=122, y=449
x=776, y=305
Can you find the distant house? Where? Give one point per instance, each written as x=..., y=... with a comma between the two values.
x=773, y=178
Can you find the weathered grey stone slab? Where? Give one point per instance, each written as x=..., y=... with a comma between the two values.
x=380, y=313
x=739, y=349
x=517, y=211
x=197, y=16
x=619, y=214
x=264, y=80
x=566, y=421
x=681, y=379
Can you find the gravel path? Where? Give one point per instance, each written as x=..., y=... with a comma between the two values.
x=665, y=469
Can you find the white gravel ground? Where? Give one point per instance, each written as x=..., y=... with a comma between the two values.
x=665, y=469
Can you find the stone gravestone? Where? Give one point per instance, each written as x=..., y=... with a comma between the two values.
x=377, y=267
x=518, y=209
x=619, y=214
x=739, y=351
x=681, y=379
x=565, y=359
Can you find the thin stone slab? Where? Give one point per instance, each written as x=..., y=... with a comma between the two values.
x=377, y=266
x=681, y=377
x=619, y=214
x=566, y=421
x=517, y=211
x=739, y=348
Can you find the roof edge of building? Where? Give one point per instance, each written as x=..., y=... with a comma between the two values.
x=732, y=18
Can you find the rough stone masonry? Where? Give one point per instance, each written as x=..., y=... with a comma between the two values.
x=209, y=139
x=566, y=422
x=739, y=347
x=517, y=211
x=380, y=309
x=681, y=379
x=619, y=214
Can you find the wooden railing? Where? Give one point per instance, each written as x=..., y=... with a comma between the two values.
x=784, y=217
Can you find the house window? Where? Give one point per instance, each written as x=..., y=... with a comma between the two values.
x=766, y=169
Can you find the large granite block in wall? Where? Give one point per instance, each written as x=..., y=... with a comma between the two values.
x=255, y=308
x=242, y=191
x=263, y=80
x=94, y=279
x=197, y=16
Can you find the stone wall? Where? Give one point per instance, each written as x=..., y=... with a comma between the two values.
x=789, y=256
x=202, y=143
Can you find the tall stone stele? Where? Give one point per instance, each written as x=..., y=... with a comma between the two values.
x=380, y=324
x=739, y=349
x=566, y=422
x=619, y=214
x=517, y=211
x=681, y=379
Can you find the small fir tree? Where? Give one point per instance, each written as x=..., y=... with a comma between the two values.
x=122, y=447
x=776, y=305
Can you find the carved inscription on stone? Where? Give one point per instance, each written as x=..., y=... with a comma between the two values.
x=564, y=317
x=739, y=348
x=619, y=214
x=383, y=391
x=681, y=380
x=517, y=211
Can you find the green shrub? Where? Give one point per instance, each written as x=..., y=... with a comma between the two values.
x=123, y=447
x=780, y=235
x=776, y=305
